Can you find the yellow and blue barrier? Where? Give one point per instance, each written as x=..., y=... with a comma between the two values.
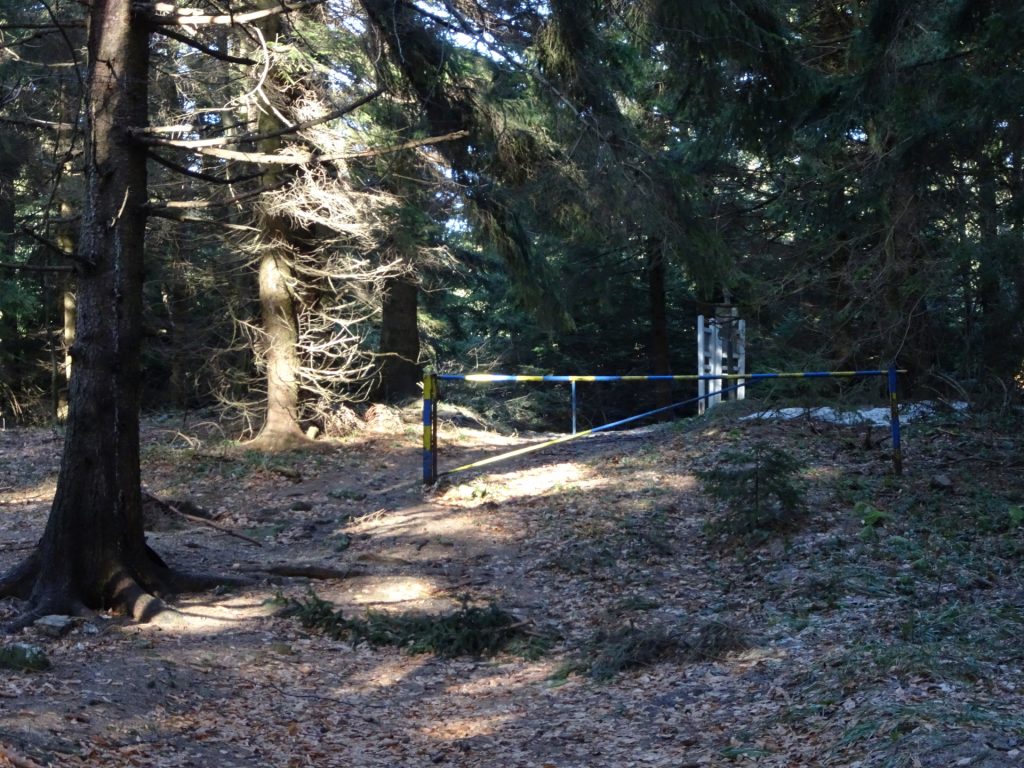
x=431, y=395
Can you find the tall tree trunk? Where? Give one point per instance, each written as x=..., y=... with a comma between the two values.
x=659, y=352
x=93, y=552
x=281, y=429
x=68, y=241
x=989, y=299
x=399, y=340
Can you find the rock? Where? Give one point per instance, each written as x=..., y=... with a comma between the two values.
x=301, y=506
x=54, y=626
x=282, y=649
x=23, y=657
x=942, y=482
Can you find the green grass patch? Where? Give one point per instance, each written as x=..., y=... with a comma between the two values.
x=616, y=650
x=468, y=631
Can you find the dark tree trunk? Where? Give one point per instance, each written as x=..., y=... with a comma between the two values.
x=67, y=239
x=93, y=553
x=399, y=340
x=989, y=293
x=659, y=353
x=6, y=212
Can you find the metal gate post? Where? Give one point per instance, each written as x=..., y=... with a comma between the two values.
x=894, y=422
x=572, y=384
x=431, y=393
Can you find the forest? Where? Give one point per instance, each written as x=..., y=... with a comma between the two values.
x=236, y=235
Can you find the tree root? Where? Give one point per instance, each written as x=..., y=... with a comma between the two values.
x=285, y=442
x=18, y=581
x=309, y=571
x=185, y=581
x=138, y=595
x=46, y=606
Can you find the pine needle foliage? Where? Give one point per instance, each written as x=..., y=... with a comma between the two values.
x=620, y=649
x=759, y=488
x=468, y=631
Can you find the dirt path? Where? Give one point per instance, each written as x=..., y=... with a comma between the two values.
x=890, y=644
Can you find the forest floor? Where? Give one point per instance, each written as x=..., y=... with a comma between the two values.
x=886, y=630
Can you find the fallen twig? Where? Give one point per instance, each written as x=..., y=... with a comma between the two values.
x=200, y=520
x=16, y=546
x=307, y=571
x=8, y=754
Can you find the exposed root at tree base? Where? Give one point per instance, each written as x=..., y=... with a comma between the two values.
x=140, y=597
x=283, y=442
x=309, y=571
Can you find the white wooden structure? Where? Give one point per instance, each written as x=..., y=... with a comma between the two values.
x=721, y=351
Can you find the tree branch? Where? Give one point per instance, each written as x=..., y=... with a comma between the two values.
x=453, y=136
x=35, y=122
x=210, y=178
x=145, y=135
x=194, y=204
x=191, y=42
x=300, y=158
x=36, y=267
x=165, y=14
x=176, y=214
x=71, y=23
x=48, y=243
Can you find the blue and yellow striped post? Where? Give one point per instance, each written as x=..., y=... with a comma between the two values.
x=431, y=394
x=894, y=423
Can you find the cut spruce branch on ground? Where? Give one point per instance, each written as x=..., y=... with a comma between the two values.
x=880, y=630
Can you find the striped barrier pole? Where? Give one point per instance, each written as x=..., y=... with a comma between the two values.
x=894, y=422
x=602, y=428
x=430, y=386
x=431, y=392
x=491, y=378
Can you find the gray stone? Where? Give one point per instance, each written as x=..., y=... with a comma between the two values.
x=54, y=626
x=23, y=657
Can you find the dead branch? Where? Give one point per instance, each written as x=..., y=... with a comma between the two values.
x=47, y=242
x=215, y=148
x=36, y=267
x=17, y=760
x=308, y=571
x=163, y=14
x=207, y=177
x=196, y=519
x=194, y=204
x=191, y=42
x=35, y=122
x=172, y=214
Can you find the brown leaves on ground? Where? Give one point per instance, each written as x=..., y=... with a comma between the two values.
x=884, y=631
